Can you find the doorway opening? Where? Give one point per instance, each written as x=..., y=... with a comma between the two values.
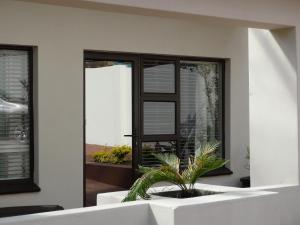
x=108, y=126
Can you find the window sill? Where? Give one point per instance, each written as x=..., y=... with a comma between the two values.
x=219, y=172
x=16, y=186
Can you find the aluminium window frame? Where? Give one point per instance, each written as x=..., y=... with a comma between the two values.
x=137, y=113
x=13, y=186
x=159, y=97
x=175, y=97
x=92, y=54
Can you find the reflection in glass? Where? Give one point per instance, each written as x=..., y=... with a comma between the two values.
x=108, y=99
x=108, y=127
x=150, y=148
x=201, y=100
x=14, y=116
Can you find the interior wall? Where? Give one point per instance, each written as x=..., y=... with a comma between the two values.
x=61, y=35
x=273, y=107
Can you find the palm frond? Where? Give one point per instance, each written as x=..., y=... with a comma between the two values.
x=169, y=159
x=203, y=162
x=172, y=162
x=144, y=169
x=141, y=186
x=207, y=148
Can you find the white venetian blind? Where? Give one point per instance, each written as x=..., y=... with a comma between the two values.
x=14, y=115
x=200, y=105
x=159, y=118
x=159, y=76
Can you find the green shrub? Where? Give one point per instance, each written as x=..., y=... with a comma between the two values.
x=120, y=152
x=116, y=155
x=102, y=157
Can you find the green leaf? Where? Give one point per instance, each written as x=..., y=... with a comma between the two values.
x=169, y=159
x=204, y=162
x=153, y=176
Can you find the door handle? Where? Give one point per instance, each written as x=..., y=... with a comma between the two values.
x=128, y=135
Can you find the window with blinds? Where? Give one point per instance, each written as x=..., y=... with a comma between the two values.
x=159, y=99
x=182, y=107
x=200, y=105
x=15, y=113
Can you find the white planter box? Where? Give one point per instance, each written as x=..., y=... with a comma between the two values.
x=234, y=206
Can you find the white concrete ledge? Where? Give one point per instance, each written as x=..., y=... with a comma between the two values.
x=227, y=193
x=234, y=206
x=116, y=214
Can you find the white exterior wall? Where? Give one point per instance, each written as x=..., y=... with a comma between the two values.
x=235, y=207
x=130, y=214
x=273, y=107
x=61, y=35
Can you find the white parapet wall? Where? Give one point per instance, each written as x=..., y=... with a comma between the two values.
x=117, y=214
x=288, y=203
x=233, y=206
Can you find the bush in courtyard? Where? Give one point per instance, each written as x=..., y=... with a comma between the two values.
x=120, y=152
x=116, y=155
x=102, y=157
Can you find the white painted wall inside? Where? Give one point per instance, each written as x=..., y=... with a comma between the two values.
x=62, y=34
x=273, y=107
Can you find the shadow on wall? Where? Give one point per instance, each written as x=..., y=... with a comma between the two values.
x=284, y=59
x=273, y=107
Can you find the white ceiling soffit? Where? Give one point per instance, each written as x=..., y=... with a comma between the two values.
x=161, y=8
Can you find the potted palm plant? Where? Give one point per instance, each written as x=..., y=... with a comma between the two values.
x=203, y=161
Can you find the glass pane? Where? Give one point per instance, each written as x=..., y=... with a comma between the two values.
x=150, y=148
x=108, y=99
x=108, y=115
x=201, y=104
x=159, y=76
x=159, y=118
x=14, y=115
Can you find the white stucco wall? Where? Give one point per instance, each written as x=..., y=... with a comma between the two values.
x=273, y=107
x=61, y=35
x=235, y=207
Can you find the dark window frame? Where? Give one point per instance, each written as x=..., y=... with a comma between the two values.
x=159, y=97
x=175, y=97
x=27, y=184
x=139, y=94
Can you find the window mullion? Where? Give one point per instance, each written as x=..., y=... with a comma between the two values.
x=177, y=115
